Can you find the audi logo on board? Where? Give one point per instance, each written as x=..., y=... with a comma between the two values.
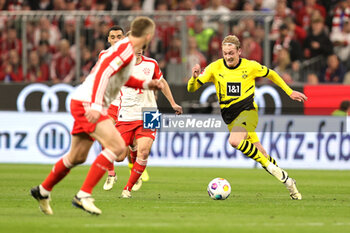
x=49, y=100
x=53, y=139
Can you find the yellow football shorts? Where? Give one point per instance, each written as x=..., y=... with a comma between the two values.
x=247, y=119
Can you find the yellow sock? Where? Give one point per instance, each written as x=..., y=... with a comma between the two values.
x=251, y=151
x=272, y=160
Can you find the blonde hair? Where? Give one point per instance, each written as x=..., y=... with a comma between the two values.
x=233, y=40
x=142, y=25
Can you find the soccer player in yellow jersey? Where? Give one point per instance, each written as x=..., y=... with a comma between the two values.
x=234, y=80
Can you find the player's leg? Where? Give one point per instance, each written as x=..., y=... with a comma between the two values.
x=114, y=146
x=290, y=182
x=132, y=158
x=144, y=145
x=244, y=138
x=127, y=134
x=79, y=150
x=263, y=151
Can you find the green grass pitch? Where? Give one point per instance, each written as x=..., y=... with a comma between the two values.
x=175, y=200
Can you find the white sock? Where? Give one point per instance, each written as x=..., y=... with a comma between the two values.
x=82, y=194
x=277, y=172
x=289, y=182
x=43, y=191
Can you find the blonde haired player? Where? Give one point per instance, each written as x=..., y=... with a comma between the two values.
x=89, y=108
x=234, y=80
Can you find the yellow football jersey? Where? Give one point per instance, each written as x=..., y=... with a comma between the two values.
x=235, y=86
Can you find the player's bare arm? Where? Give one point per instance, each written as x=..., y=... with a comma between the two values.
x=155, y=85
x=167, y=92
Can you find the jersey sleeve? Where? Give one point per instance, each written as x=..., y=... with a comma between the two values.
x=110, y=64
x=206, y=76
x=259, y=70
x=157, y=74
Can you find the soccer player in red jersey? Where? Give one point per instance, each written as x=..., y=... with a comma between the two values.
x=89, y=108
x=127, y=110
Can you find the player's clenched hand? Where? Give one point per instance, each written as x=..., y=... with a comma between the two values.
x=155, y=85
x=178, y=109
x=196, y=70
x=298, y=96
x=92, y=115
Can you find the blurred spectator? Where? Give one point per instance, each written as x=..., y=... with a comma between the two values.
x=86, y=5
x=304, y=14
x=103, y=5
x=317, y=41
x=9, y=41
x=125, y=5
x=250, y=48
x=14, y=5
x=281, y=12
x=344, y=109
x=87, y=62
x=215, y=44
x=269, y=4
x=341, y=13
x=99, y=46
x=173, y=55
x=333, y=72
x=283, y=67
x=44, y=52
x=59, y=5
x=286, y=41
x=341, y=42
x=296, y=32
x=244, y=25
x=71, y=5
x=217, y=7
x=54, y=34
x=36, y=72
x=259, y=6
x=202, y=35
x=194, y=56
x=3, y=5
x=41, y=5
x=11, y=71
x=62, y=66
x=68, y=31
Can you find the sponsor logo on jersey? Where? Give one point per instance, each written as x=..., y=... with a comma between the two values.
x=146, y=71
x=233, y=89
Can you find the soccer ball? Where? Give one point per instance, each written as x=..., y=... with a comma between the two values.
x=219, y=189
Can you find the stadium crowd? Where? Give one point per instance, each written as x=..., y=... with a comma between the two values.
x=304, y=34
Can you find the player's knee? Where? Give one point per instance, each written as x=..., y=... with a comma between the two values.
x=143, y=153
x=234, y=141
x=119, y=151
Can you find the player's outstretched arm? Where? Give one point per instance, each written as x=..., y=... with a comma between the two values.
x=193, y=84
x=150, y=85
x=294, y=95
x=167, y=92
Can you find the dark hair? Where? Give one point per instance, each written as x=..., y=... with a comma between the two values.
x=115, y=28
x=344, y=105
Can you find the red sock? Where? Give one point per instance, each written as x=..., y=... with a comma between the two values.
x=58, y=172
x=96, y=172
x=111, y=171
x=133, y=155
x=136, y=172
